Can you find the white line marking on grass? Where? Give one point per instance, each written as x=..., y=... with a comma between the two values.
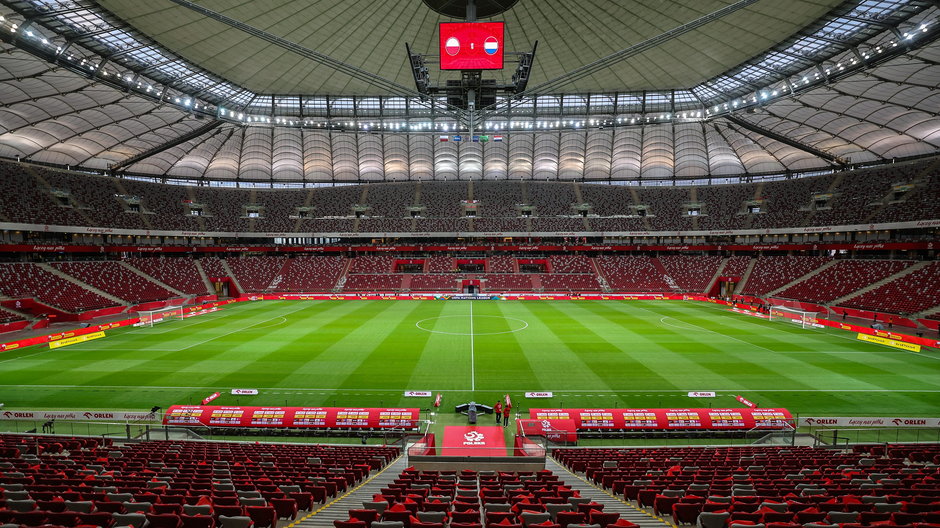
x=663, y=321
x=237, y=330
x=473, y=381
x=26, y=356
x=384, y=391
x=924, y=353
x=523, y=327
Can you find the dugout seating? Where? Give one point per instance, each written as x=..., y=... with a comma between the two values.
x=8, y=317
x=866, y=486
x=68, y=482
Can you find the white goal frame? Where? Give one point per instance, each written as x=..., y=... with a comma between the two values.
x=151, y=317
x=780, y=311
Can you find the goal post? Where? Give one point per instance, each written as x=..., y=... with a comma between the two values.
x=152, y=317
x=804, y=314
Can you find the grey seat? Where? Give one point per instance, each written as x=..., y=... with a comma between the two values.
x=529, y=519
x=719, y=499
x=884, y=507
x=16, y=495
x=432, y=516
x=497, y=507
x=79, y=506
x=712, y=520
x=610, y=463
x=12, y=487
x=842, y=517
x=673, y=493
x=237, y=521
x=375, y=505
x=759, y=525
x=137, y=507
x=775, y=506
x=222, y=486
x=553, y=509
x=578, y=500
x=252, y=501
x=698, y=487
x=388, y=524
x=21, y=505
x=193, y=509
x=248, y=494
x=290, y=488
x=136, y=520
x=119, y=497
x=809, y=492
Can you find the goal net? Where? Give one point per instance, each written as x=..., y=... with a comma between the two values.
x=795, y=312
x=152, y=317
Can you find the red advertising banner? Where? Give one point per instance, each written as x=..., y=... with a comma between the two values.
x=862, y=246
x=746, y=401
x=668, y=419
x=306, y=417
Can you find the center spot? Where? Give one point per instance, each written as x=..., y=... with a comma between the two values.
x=482, y=325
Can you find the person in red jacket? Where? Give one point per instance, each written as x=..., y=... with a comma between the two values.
x=497, y=410
x=506, y=409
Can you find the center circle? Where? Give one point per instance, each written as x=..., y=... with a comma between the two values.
x=455, y=323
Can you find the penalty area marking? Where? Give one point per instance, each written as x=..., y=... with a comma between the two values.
x=472, y=333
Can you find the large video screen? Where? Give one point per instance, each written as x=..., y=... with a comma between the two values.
x=471, y=45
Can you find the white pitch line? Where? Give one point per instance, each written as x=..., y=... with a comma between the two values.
x=524, y=389
x=473, y=381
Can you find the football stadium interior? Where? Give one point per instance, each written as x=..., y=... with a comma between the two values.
x=469, y=264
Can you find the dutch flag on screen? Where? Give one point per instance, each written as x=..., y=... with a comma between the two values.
x=497, y=138
x=490, y=45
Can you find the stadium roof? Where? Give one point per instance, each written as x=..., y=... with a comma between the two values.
x=322, y=91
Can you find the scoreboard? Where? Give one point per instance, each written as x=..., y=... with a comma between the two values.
x=471, y=45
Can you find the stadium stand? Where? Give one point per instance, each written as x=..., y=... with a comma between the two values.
x=310, y=274
x=113, y=278
x=8, y=317
x=690, y=273
x=771, y=273
x=631, y=273
x=256, y=274
x=178, y=273
x=570, y=264
x=373, y=283
x=92, y=481
x=569, y=282
x=897, y=296
x=507, y=282
x=433, y=282
x=500, y=264
x=440, y=264
x=372, y=264
x=736, y=266
x=845, y=277
x=23, y=280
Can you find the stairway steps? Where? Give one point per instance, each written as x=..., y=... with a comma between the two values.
x=611, y=503
x=338, y=509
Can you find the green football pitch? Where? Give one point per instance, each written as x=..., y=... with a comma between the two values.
x=366, y=353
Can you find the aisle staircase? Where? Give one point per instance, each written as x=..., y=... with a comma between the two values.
x=338, y=508
x=611, y=503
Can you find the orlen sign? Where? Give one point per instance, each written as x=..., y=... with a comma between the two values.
x=868, y=421
x=89, y=416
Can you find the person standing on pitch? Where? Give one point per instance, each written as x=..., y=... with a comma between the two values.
x=506, y=415
x=497, y=410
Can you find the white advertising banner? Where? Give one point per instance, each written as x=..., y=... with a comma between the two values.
x=702, y=394
x=538, y=395
x=417, y=394
x=868, y=421
x=93, y=416
x=245, y=392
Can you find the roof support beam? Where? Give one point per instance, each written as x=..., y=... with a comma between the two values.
x=785, y=140
x=167, y=145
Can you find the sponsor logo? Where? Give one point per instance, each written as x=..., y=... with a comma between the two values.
x=538, y=395
x=417, y=394
x=474, y=438
x=244, y=392
x=702, y=394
